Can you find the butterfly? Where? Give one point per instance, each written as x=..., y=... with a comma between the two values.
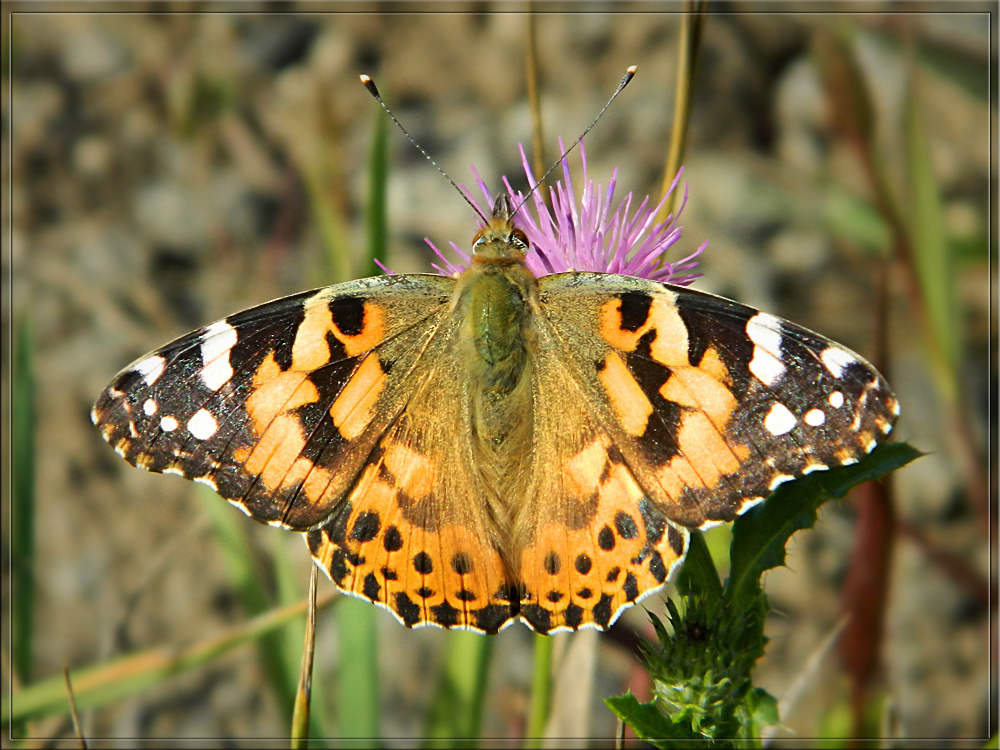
x=471, y=451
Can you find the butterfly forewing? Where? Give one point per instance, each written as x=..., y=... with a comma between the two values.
x=277, y=407
x=712, y=403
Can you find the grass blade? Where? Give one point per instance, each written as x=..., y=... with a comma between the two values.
x=541, y=691
x=926, y=222
x=533, y=78
x=457, y=709
x=357, y=694
x=303, y=695
x=692, y=23
x=101, y=684
x=22, y=528
x=280, y=650
x=376, y=220
x=357, y=680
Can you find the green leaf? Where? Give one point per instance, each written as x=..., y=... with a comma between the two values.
x=698, y=575
x=763, y=709
x=648, y=722
x=760, y=534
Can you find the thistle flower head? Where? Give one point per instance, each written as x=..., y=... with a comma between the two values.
x=592, y=234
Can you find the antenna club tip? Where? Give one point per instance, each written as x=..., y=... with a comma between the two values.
x=369, y=84
x=631, y=70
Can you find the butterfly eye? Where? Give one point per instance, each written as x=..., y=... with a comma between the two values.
x=519, y=239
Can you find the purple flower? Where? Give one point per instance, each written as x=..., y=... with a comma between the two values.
x=589, y=236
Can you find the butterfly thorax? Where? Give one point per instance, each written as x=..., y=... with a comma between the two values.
x=497, y=293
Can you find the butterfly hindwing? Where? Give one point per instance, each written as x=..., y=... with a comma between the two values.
x=589, y=541
x=416, y=533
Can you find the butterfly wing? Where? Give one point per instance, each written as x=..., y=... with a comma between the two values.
x=711, y=403
x=278, y=407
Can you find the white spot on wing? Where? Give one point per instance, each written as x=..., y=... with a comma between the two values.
x=813, y=467
x=218, y=339
x=837, y=360
x=765, y=332
x=779, y=420
x=207, y=481
x=168, y=424
x=202, y=425
x=780, y=479
x=243, y=508
x=814, y=417
x=836, y=399
x=150, y=368
x=149, y=407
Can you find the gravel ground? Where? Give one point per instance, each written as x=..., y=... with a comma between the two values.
x=170, y=168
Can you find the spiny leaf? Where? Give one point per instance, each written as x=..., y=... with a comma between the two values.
x=648, y=722
x=760, y=534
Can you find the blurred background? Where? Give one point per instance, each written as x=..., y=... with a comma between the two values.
x=169, y=166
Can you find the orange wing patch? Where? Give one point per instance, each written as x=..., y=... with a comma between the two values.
x=359, y=331
x=705, y=456
x=625, y=320
x=354, y=407
x=630, y=404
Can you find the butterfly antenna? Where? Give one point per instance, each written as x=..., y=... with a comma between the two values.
x=373, y=90
x=629, y=75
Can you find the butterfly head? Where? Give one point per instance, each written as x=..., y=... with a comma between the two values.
x=500, y=239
